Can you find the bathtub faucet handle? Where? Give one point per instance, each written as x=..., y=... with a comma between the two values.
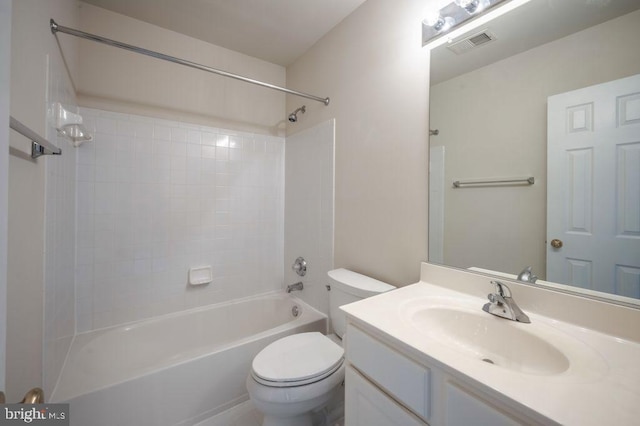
x=300, y=266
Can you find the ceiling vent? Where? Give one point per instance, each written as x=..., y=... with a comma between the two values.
x=471, y=42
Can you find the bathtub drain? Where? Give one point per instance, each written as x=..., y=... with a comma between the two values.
x=295, y=311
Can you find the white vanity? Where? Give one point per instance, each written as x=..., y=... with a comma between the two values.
x=428, y=354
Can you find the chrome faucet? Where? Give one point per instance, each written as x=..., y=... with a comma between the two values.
x=527, y=275
x=296, y=286
x=502, y=304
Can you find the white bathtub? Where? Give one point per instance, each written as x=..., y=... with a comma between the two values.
x=177, y=369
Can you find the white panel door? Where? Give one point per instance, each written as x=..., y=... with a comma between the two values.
x=593, y=194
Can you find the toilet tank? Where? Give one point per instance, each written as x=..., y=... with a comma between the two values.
x=347, y=287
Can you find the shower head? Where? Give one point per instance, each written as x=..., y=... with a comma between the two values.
x=293, y=117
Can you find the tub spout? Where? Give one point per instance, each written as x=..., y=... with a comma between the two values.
x=296, y=286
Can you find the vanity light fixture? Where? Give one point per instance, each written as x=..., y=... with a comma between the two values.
x=437, y=23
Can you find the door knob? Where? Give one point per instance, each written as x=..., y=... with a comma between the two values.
x=555, y=243
x=34, y=396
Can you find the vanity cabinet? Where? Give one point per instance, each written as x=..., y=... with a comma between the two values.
x=385, y=386
x=367, y=405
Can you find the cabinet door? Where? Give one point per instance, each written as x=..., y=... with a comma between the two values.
x=399, y=376
x=366, y=405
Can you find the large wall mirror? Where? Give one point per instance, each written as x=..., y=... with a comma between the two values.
x=546, y=91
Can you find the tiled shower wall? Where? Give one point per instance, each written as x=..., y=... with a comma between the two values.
x=59, y=254
x=309, y=210
x=157, y=197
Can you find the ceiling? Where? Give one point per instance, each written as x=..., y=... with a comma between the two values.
x=532, y=24
x=277, y=31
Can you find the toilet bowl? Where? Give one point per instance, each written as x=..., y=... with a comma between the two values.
x=294, y=376
x=293, y=379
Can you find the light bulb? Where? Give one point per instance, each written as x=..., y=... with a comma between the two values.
x=472, y=6
x=439, y=23
x=433, y=18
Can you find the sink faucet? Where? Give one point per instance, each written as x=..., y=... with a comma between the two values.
x=296, y=286
x=502, y=304
x=527, y=275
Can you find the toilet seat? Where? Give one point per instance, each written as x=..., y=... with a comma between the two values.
x=297, y=360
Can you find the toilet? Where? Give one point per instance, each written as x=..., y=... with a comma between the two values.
x=293, y=379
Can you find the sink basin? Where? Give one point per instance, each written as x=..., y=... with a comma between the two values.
x=487, y=338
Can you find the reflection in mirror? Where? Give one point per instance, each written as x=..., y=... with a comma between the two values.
x=556, y=77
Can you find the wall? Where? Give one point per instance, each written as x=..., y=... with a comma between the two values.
x=117, y=80
x=5, y=84
x=31, y=46
x=509, y=139
x=376, y=73
x=309, y=210
x=60, y=232
x=158, y=197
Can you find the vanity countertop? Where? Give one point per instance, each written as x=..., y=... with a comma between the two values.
x=600, y=383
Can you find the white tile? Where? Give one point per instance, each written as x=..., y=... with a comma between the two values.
x=178, y=177
x=124, y=145
x=162, y=162
x=194, y=150
x=86, y=153
x=209, y=138
x=179, y=149
x=222, y=153
x=106, y=125
x=179, y=134
x=161, y=147
x=143, y=145
x=143, y=129
x=235, y=142
x=222, y=141
x=85, y=172
x=162, y=132
x=126, y=128
x=235, y=155
x=179, y=163
x=148, y=192
x=194, y=137
x=208, y=151
x=105, y=173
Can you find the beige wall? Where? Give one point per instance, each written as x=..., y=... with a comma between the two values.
x=31, y=42
x=492, y=123
x=374, y=70
x=5, y=84
x=117, y=80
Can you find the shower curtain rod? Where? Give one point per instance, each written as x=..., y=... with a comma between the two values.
x=59, y=28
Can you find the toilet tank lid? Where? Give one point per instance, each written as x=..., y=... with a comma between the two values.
x=355, y=283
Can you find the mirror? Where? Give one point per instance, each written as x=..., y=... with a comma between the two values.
x=488, y=106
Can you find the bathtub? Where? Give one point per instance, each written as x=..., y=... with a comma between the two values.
x=177, y=369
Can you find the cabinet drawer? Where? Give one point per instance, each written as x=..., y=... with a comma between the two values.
x=465, y=408
x=407, y=381
x=366, y=405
